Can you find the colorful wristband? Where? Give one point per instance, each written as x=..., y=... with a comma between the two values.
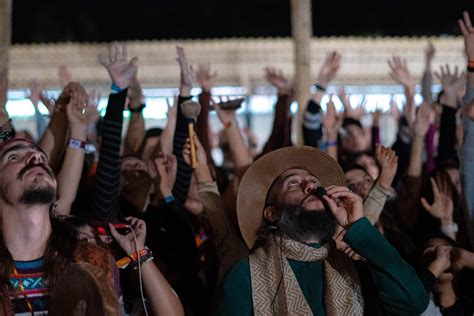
x=167, y=199
x=77, y=143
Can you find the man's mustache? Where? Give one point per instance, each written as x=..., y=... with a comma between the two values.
x=31, y=165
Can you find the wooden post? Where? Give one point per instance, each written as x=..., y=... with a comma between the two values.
x=302, y=32
x=5, y=42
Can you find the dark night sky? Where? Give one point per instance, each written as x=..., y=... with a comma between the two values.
x=105, y=20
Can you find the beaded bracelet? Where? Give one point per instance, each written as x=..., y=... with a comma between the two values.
x=126, y=261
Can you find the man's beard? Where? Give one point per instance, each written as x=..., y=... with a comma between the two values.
x=35, y=196
x=301, y=225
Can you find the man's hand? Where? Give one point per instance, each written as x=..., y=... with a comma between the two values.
x=399, y=72
x=442, y=261
x=388, y=162
x=329, y=68
x=430, y=52
x=468, y=32
x=48, y=102
x=461, y=258
x=452, y=84
x=204, y=77
x=332, y=121
x=276, y=78
x=394, y=110
x=187, y=73
x=346, y=206
x=442, y=207
x=127, y=242
x=121, y=70
x=165, y=168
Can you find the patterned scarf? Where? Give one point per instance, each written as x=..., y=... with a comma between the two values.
x=275, y=288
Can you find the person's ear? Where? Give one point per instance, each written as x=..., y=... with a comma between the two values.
x=269, y=214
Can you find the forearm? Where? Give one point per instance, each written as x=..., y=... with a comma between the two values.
x=135, y=133
x=202, y=124
x=426, y=82
x=164, y=300
x=416, y=163
x=398, y=285
x=375, y=201
x=41, y=122
x=277, y=136
x=70, y=175
x=184, y=172
x=54, y=138
x=108, y=170
x=240, y=153
x=331, y=143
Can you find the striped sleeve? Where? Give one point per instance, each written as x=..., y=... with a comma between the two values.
x=107, y=189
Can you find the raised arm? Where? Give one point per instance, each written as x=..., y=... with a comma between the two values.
x=35, y=97
x=240, y=153
x=70, y=175
x=136, y=125
x=427, y=79
x=280, y=135
x=313, y=117
x=121, y=71
x=332, y=123
x=452, y=83
x=206, y=79
x=181, y=133
x=466, y=152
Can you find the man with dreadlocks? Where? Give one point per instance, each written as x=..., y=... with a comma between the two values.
x=294, y=268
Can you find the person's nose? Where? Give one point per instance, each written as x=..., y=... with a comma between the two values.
x=309, y=187
x=35, y=157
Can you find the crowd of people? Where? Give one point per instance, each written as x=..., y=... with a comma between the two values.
x=95, y=221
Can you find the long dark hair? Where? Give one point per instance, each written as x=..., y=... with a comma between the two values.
x=59, y=252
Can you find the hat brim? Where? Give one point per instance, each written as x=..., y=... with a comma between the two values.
x=257, y=180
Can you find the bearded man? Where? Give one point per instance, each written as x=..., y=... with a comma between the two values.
x=294, y=267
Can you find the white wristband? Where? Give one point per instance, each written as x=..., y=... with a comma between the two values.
x=453, y=228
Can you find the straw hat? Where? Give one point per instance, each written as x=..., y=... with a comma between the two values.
x=256, y=182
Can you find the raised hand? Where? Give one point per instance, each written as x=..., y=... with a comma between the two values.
x=388, y=162
x=468, y=32
x=346, y=206
x=332, y=121
x=164, y=177
x=430, y=52
x=76, y=110
x=423, y=119
x=35, y=92
x=394, y=110
x=442, y=207
x=172, y=112
x=329, y=68
x=276, y=78
x=121, y=70
x=226, y=116
x=187, y=72
x=399, y=72
x=205, y=77
x=65, y=76
x=452, y=84
x=48, y=102
x=92, y=113
x=127, y=242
